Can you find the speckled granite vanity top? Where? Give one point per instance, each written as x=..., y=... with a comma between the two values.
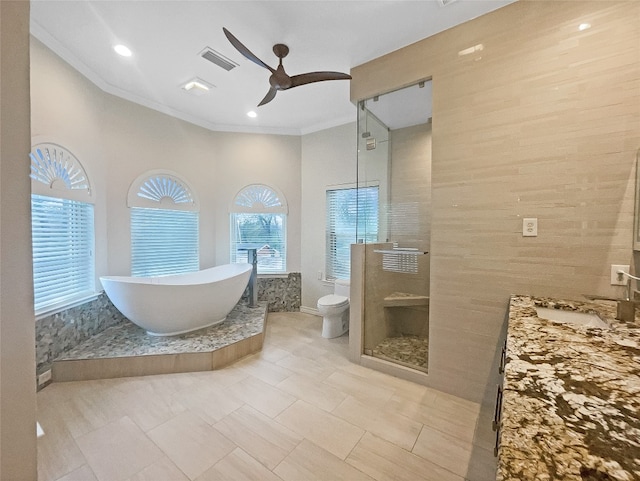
x=571, y=402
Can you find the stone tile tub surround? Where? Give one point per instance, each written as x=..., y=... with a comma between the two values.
x=281, y=292
x=64, y=330
x=571, y=403
x=61, y=332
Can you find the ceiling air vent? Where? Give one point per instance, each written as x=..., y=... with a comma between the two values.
x=444, y=3
x=220, y=60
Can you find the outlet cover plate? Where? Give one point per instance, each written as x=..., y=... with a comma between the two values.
x=616, y=279
x=530, y=227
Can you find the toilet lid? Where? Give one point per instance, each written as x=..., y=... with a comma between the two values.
x=333, y=300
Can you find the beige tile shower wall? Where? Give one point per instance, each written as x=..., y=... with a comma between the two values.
x=410, y=211
x=542, y=121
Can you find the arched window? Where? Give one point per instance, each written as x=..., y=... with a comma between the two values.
x=62, y=229
x=164, y=225
x=259, y=221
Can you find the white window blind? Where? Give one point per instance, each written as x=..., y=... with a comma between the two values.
x=259, y=221
x=63, y=244
x=163, y=241
x=351, y=214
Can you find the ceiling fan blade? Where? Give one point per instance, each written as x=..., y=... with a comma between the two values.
x=245, y=51
x=269, y=97
x=307, y=78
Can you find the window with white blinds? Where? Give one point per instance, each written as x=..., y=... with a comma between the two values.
x=259, y=221
x=164, y=225
x=163, y=242
x=62, y=229
x=351, y=214
x=63, y=244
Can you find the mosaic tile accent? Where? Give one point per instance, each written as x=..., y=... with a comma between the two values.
x=64, y=330
x=409, y=351
x=127, y=339
x=282, y=294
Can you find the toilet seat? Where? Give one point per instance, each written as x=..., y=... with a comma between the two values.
x=333, y=300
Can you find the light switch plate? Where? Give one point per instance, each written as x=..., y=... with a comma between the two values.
x=530, y=227
x=618, y=279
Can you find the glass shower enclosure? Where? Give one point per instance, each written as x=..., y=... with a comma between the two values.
x=394, y=158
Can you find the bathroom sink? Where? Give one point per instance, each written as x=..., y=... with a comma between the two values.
x=571, y=317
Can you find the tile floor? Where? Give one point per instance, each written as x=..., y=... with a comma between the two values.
x=297, y=411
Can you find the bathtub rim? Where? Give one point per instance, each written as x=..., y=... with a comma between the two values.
x=241, y=269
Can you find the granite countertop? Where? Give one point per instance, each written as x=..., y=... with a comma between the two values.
x=571, y=399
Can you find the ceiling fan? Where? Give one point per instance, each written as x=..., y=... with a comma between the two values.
x=279, y=79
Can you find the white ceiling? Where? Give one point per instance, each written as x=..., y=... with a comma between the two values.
x=166, y=38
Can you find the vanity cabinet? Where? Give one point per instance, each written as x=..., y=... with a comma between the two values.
x=497, y=412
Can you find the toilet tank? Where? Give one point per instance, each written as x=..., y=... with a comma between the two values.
x=341, y=287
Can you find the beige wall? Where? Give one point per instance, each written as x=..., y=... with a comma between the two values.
x=17, y=327
x=117, y=141
x=543, y=122
x=328, y=159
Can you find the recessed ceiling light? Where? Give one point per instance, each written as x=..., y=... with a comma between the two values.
x=122, y=50
x=584, y=26
x=252, y=114
x=197, y=86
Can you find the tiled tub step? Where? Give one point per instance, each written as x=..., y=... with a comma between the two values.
x=127, y=350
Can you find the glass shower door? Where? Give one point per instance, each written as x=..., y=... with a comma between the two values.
x=394, y=153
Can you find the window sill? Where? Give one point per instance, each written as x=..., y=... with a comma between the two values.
x=281, y=275
x=67, y=304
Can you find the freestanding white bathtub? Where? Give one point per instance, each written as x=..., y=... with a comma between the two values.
x=175, y=304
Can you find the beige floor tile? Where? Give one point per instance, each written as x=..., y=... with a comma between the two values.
x=385, y=461
x=305, y=388
x=261, y=437
x=118, y=450
x=307, y=367
x=222, y=378
x=288, y=343
x=161, y=384
x=162, y=470
x=209, y=402
x=385, y=424
x=192, y=444
x=58, y=453
x=272, y=353
x=264, y=370
x=451, y=419
x=303, y=442
x=360, y=388
x=83, y=473
x=455, y=404
x=310, y=462
x=238, y=466
x=91, y=410
x=327, y=431
x=311, y=351
x=261, y=396
x=402, y=387
x=149, y=408
x=444, y=450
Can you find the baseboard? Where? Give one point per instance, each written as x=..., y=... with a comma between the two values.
x=310, y=310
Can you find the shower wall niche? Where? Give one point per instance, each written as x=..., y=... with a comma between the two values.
x=394, y=153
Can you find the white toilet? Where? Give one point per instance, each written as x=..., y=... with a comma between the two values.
x=335, y=310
